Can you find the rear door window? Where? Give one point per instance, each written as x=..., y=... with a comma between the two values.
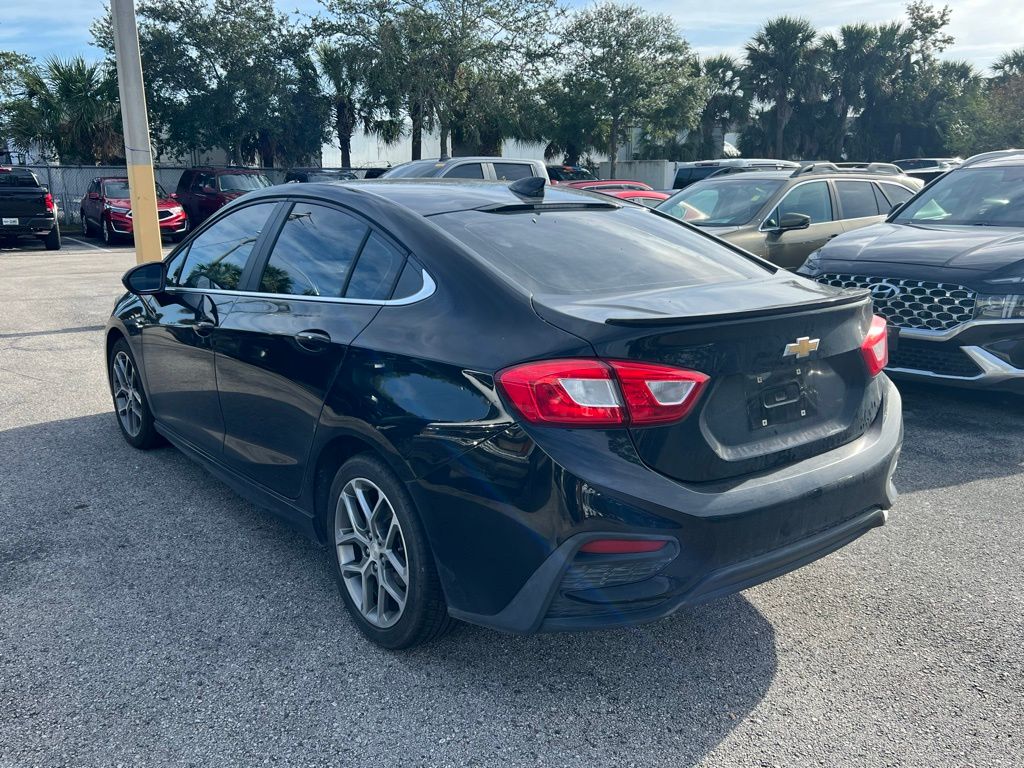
x=314, y=252
x=512, y=171
x=216, y=259
x=857, y=199
x=466, y=171
x=616, y=249
x=376, y=271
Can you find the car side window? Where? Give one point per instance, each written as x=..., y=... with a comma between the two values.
x=896, y=193
x=410, y=281
x=201, y=180
x=811, y=199
x=217, y=257
x=512, y=171
x=857, y=199
x=313, y=252
x=375, y=272
x=466, y=171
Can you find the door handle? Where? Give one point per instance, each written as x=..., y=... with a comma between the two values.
x=313, y=340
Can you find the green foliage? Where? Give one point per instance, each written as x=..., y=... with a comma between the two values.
x=635, y=67
x=66, y=107
x=235, y=74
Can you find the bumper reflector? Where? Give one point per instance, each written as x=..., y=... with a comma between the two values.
x=622, y=546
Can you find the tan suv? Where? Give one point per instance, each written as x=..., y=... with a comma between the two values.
x=784, y=216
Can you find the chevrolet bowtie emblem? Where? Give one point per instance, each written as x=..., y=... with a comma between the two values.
x=802, y=347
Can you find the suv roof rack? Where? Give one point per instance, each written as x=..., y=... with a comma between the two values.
x=882, y=169
x=980, y=158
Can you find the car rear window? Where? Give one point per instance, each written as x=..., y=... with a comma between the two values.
x=593, y=250
x=17, y=179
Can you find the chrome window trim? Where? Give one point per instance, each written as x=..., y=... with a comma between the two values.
x=425, y=292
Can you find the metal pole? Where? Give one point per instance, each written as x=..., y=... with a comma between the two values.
x=137, y=149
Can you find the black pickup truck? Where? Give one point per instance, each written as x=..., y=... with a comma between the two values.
x=27, y=208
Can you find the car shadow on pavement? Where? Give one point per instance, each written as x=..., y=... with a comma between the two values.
x=956, y=436
x=145, y=603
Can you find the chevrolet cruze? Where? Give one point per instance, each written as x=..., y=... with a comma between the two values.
x=482, y=424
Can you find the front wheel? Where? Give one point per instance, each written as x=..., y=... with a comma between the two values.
x=130, y=402
x=109, y=238
x=383, y=563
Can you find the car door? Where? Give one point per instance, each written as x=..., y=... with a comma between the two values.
x=178, y=342
x=319, y=285
x=505, y=171
x=858, y=204
x=206, y=198
x=790, y=248
x=89, y=203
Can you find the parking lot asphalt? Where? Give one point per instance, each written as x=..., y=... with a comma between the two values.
x=149, y=616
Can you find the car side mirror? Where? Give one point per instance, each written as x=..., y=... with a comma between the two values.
x=145, y=279
x=791, y=221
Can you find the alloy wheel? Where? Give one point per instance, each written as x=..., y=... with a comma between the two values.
x=127, y=394
x=108, y=236
x=371, y=552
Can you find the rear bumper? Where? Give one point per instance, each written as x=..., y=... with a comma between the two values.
x=979, y=354
x=720, y=537
x=28, y=225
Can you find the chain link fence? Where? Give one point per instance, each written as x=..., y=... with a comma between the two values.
x=69, y=183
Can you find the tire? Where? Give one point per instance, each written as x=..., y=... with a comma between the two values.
x=108, y=234
x=52, y=239
x=365, y=562
x=134, y=417
x=86, y=229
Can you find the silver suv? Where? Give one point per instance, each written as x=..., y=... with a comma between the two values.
x=783, y=216
x=483, y=168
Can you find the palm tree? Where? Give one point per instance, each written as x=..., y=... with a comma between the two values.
x=337, y=67
x=68, y=108
x=728, y=105
x=781, y=67
x=847, y=59
x=1010, y=65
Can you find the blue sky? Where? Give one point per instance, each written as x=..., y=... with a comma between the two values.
x=984, y=28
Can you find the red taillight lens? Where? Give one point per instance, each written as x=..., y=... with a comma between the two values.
x=49, y=202
x=622, y=546
x=658, y=394
x=592, y=393
x=875, y=347
x=575, y=392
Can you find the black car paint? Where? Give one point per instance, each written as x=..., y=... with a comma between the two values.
x=505, y=506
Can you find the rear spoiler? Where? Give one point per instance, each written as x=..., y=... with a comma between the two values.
x=845, y=299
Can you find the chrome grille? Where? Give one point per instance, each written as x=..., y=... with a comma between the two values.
x=912, y=303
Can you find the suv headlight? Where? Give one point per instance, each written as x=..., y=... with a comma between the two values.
x=119, y=209
x=1009, y=306
x=812, y=265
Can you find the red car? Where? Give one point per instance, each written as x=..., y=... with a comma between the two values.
x=106, y=210
x=607, y=185
x=648, y=197
x=202, y=191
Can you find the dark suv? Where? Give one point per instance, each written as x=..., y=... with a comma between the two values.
x=947, y=271
x=201, y=191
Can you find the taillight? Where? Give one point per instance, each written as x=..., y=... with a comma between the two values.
x=48, y=200
x=594, y=393
x=875, y=346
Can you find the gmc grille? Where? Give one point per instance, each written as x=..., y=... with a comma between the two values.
x=912, y=303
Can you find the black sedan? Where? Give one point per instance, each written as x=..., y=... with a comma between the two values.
x=484, y=424
x=947, y=272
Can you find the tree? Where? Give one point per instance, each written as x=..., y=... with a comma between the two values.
x=848, y=57
x=338, y=66
x=781, y=66
x=13, y=67
x=727, y=104
x=233, y=74
x=567, y=118
x=1010, y=65
x=634, y=65
x=69, y=108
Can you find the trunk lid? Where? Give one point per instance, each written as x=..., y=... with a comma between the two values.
x=771, y=400
x=22, y=202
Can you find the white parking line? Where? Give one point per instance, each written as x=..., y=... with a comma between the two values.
x=88, y=245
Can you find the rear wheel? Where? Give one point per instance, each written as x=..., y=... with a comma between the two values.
x=52, y=239
x=130, y=403
x=383, y=563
